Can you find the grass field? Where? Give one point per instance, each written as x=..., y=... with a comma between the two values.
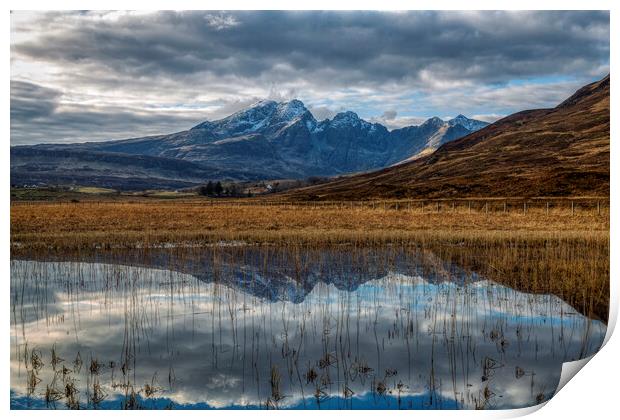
x=143, y=223
x=563, y=249
x=94, y=190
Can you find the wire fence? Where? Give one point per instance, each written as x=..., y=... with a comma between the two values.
x=571, y=205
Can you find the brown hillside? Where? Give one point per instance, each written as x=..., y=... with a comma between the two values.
x=563, y=151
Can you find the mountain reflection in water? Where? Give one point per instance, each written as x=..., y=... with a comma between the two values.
x=99, y=335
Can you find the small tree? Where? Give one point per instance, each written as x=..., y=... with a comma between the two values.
x=206, y=189
x=217, y=189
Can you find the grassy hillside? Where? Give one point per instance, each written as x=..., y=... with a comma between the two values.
x=562, y=151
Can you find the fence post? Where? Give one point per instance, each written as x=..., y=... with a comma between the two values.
x=469, y=203
x=504, y=207
x=547, y=208
x=572, y=208
x=486, y=207
x=598, y=207
x=524, y=207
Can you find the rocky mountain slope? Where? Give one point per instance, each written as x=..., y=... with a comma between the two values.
x=265, y=141
x=563, y=151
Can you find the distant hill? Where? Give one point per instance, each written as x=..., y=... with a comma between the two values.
x=563, y=151
x=268, y=140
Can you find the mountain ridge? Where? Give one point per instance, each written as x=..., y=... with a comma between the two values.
x=560, y=151
x=267, y=140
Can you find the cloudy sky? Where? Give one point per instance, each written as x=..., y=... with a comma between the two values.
x=79, y=76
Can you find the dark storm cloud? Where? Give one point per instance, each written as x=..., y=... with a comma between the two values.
x=354, y=46
x=108, y=77
x=37, y=115
x=389, y=114
x=30, y=101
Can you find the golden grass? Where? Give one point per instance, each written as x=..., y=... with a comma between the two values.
x=127, y=223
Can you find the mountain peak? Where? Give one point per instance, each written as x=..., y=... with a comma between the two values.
x=348, y=119
x=468, y=123
x=434, y=121
x=258, y=115
x=460, y=117
x=289, y=110
x=261, y=103
x=263, y=106
x=346, y=115
x=295, y=103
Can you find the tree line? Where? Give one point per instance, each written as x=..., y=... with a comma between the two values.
x=244, y=189
x=216, y=189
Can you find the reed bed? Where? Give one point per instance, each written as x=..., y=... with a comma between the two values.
x=541, y=249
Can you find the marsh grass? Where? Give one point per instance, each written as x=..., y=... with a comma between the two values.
x=560, y=248
x=64, y=226
x=572, y=265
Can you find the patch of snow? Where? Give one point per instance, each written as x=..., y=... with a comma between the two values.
x=435, y=121
x=471, y=125
x=287, y=111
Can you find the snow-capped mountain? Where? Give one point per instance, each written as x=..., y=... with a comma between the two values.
x=471, y=125
x=261, y=117
x=264, y=141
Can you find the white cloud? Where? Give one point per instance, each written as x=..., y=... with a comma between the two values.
x=221, y=21
x=490, y=118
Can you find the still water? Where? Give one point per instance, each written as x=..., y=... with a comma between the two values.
x=110, y=336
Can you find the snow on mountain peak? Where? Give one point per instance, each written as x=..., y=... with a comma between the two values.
x=471, y=125
x=458, y=120
x=267, y=115
x=259, y=115
x=434, y=121
x=346, y=114
x=345, y=117
x=260, y=104
x=349, y=119
x=287, y=111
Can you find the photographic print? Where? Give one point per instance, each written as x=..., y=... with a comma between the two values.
x=306, y=209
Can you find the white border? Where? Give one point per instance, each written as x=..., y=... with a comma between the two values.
x=592, y=394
